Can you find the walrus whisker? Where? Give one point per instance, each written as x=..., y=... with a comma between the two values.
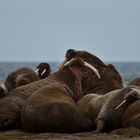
x=120, y=104
x=93, y=68
x=43, y=72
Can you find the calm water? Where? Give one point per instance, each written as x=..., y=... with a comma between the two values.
x=128, y=70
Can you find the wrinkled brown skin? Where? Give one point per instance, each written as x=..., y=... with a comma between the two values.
x=131, y=116
x=10, y=105
x=20, y=77
x=52, y=109
x=108, y=118
x=91, y=104
x=110, y=77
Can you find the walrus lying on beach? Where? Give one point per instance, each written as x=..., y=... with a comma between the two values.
x=23, y=76
x=105, y=111
x=10, y=105
x=110, y=77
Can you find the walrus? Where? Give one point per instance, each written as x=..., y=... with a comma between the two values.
x=20, y=77
x=131, y=116
x=112, y=110
x=11, y=105
x=110, y=77
x=43, y=70
x=3, y=90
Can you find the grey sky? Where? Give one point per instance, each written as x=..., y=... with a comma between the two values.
x=42, y=30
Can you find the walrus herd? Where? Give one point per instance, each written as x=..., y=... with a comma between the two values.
x=82, y=94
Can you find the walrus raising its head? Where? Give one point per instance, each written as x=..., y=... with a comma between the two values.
x=110, y=79
x=52, y=108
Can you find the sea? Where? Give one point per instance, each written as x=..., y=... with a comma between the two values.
x=128, y=70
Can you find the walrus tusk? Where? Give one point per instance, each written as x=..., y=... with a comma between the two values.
x=43, y=72
x=120, y=104
x=87, y=65
x=36, y=71
x=61, y=63
x=93, y=68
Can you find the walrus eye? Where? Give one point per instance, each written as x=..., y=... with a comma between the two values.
x=43, y=72
x=61, y=63
x=120, y=104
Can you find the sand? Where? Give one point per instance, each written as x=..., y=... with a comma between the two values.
x=120, y=134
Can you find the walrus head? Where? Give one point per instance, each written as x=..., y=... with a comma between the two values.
x=70, y=54
x=76, y=66
x=109, y=80
x=132, y=96
x=43, y=70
